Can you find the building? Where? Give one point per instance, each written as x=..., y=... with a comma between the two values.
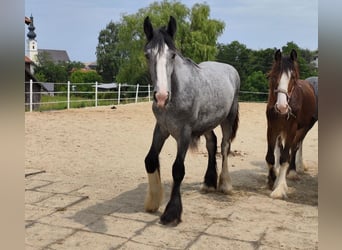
x=37, y=87
x=32, y=50
x=56, y=56
x=31, y=60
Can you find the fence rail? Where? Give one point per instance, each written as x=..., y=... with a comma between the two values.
x=40, y=96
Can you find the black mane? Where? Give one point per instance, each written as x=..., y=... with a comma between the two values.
x=160, y=38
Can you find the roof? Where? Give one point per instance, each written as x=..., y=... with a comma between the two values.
x=109, y=85
x=27, y=20
x=56, y=55
x=28, y=60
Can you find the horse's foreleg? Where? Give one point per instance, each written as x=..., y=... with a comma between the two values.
x=210, y=178
x=280, y=185
x=155, y=190
x=270, y=157
x=173, y=210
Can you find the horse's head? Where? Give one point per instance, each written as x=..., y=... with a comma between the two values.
x=283, y=77
x=160, y=52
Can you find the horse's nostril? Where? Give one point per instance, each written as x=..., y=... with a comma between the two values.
x=154, y=96
x=161, y=98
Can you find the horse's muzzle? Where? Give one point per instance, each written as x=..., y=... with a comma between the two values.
x=282, y=109
x=161, y=98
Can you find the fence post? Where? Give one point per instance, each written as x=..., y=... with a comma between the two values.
x=96, y=94
x=31, y=94
x=137, y=93
x=119, y=93
x=68, y=95
x=149, y=92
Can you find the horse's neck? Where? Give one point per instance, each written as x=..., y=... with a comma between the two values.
x=184, y=71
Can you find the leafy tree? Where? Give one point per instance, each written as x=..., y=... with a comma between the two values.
x=305, y=68
x=255, y=82
x=48, y=71
x=81, y=76
x=200, y=42
x=196, y=37
x=132, y=38
x=237, y=55
x=261, y=60
x=107, y=54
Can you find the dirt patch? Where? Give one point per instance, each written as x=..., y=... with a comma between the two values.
x=98, y=153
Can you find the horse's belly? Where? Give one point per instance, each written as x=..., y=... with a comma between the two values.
x=209, y=119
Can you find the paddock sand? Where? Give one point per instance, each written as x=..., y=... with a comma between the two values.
x=92, y=192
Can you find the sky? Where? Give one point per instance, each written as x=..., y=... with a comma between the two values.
x=74, y=25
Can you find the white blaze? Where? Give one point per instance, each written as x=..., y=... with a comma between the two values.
x=161, y=71
x=282, y=104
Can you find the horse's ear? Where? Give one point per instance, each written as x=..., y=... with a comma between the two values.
x=148, y=29
x=172, y=27
x=293, y=55
x=277, y=55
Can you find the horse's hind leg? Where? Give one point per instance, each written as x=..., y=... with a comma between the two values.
x=296, y=163
x=229, y=127
x=155, y=190
x=210, y=178
x=300, y=166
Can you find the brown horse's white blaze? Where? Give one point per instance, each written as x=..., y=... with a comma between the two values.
x=282, y=97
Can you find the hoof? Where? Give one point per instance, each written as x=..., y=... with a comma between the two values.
x=151, y=206
x=292, y=175
x=279, y=192
x=276, y=194
x=171, y=216
x=225, y=188
x=153, y=201
x=206, y=189
x=173, y=212
x=169, y=222
x=301, y=168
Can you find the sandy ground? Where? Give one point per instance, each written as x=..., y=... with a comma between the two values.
x=86, y=184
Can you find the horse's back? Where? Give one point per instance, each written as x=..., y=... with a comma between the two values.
x=222, y=72
x=313, y=80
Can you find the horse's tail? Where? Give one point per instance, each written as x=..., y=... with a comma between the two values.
x=235, y=123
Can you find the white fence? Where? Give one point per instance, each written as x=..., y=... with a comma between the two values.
x=72, y=93
x=50, y=96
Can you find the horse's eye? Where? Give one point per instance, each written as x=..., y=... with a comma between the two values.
x=173, y=55
x=147, y=56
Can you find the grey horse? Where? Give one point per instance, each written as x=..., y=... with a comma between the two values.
x=190, y=100
x=300, y=166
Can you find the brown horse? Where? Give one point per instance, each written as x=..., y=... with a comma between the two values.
x=291, y=113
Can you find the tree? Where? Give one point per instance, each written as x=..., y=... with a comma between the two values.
x=81, y=76
x=48, y=71
x=237, y=55
x=200, y=42
x=196, y=37
x=256, y=82
x=107, y=54
x=132, y=38
x=305, y=68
